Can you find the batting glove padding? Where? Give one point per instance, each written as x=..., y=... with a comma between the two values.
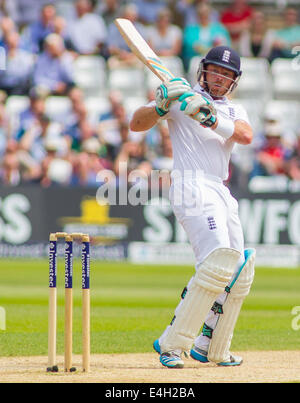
x=198, y=108
x=169, y=92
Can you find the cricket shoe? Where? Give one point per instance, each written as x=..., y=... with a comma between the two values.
x=233, y=360
x=198, y=354
x=171, y=360
x=156, y=346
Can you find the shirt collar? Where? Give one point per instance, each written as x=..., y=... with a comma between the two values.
x=201, y=91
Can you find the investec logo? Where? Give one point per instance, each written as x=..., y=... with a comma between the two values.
x=85, y=258
x=52, y=264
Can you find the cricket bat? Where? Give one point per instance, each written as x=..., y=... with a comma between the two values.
x=142, y=50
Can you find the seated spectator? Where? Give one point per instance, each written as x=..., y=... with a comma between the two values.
x=10, y=166
x=237, y=18
x=119, y=54
x=288, y=37
x=199, y=38
x=270, y=157
x=26, y=12
x=89, y=163
x=34, y=139
x=56, y=167
x=110, y=124
x=7, y=26
x=16, y=78
x=258, y=40
x=4, y=129
x=148, y=10
x=132, y=157
x=109, y=10
x=165, y=38
x=54, y=72
x=36, y=32
x=187, y=10
x=293, y=162
x=87, y=33
x=36, y=108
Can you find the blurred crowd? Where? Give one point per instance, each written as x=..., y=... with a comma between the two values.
x=42, y=41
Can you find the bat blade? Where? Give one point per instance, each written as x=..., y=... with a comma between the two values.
x=142, y=50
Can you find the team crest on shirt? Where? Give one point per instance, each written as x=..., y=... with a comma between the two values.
x=211, y=223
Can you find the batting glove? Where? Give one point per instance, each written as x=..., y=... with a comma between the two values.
x=198, y=108
x=169, y=92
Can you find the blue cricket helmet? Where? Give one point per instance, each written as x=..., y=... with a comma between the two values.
x=222, y=56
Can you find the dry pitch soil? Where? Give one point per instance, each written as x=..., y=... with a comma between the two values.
x=258, y=367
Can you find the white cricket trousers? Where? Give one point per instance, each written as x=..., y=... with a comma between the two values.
x=205, y=208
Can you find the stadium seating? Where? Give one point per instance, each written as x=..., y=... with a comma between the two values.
x=192, y=69
x=91, y=74
x=57, y=107
x=130, y=81
x=286, y=83
x=15, y=104
x=132, y=103
x=255, y=82
x=96, y=106
x=287, y=112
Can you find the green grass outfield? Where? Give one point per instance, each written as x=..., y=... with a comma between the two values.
x=132, y=304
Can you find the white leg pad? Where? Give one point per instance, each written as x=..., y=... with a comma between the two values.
x=222, y=334
x=211, y=278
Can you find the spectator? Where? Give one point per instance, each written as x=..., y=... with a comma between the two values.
x=258, y=40
x=199, y=38
x=33, y=112
x=165, y=158
x=10, y=166
x=87, y=33
x=89, y=163
x=118, y=51
x=270, y=157
x=27, y=12
x=76, y=122
x=132, y=157
x=293, y=162
x=54, y=68
x=148, y=10
x=36, y=32
x=16, y=78
x=7, y=26
x=237, y=18
x=110, y=124
x=34, y=139
x=4, y=129
x=287, y=37
x=165, y=38
x=56, y=167
x=187, y=10
x=109, y=10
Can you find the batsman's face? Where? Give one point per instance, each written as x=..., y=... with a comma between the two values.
x=219, y=79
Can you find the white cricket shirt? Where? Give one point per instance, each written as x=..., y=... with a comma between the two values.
x=196, y=148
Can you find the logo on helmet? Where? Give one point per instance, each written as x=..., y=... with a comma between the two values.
x=226, y=56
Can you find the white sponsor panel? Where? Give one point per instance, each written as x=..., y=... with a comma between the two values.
x=160, y=253
x=273, y=256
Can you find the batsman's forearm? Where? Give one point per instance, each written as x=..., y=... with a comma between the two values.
x=144, y=118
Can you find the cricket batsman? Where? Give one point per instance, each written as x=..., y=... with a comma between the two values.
x=204, y=126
